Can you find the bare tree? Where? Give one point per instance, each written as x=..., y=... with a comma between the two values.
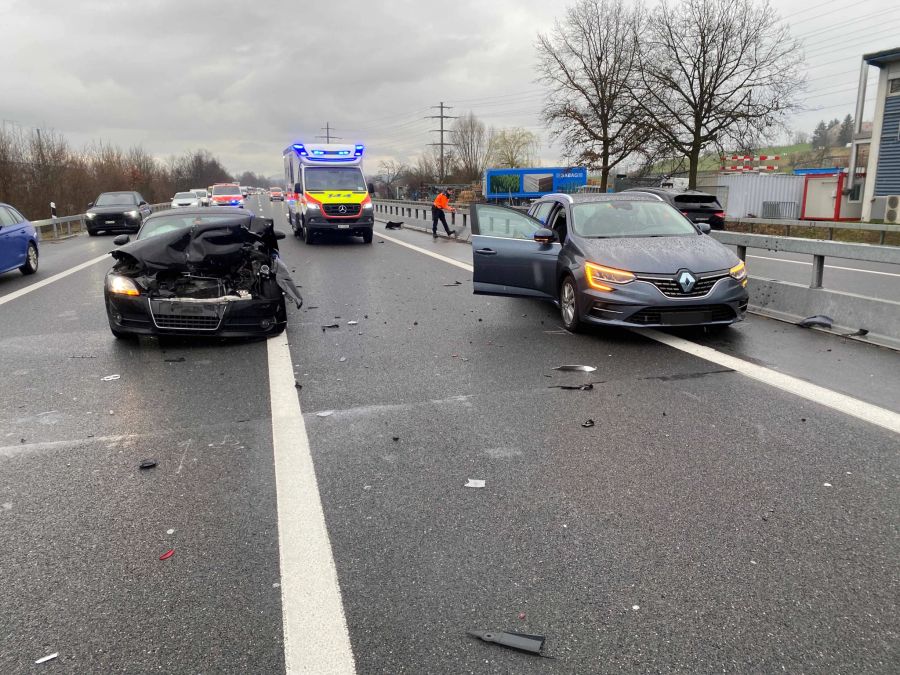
x=514, y=148
x=473, y=144
x=591, y=64
x=718, y=72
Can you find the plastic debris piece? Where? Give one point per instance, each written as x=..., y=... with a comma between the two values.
x=297, y=385
x=587, y=423
x=396, y=438
x=342, y=359
x=521, y=616
x=325, y=413
x=330, y=325
x=474, y=483
x=573, y=387
x=49, y=657
x=521, y=641
x=455, y=283
x=352, y=323
x=580, y=369
x=818, y=320
x=179, y=359
x=110, y=378
x=148, y=464
x=826, y=484
x=168, y=554
x=170, y=531
x=858, y=333
x=635, y=607
x=393, y=225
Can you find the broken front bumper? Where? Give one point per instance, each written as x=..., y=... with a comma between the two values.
x=220, y=317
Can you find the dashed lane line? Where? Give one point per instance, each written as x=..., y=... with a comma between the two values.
x=49, y=280
x=316, y=639
x=887, y=419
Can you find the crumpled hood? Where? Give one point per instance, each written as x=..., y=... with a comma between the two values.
x=660, y=255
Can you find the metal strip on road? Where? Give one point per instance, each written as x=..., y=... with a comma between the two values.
x=848, y=405
x=56, y=277
x=316, y=639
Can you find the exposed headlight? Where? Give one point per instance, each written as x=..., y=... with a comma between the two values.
x=597, y=274
x=121, y=285
x=90, y=215
x=739, y=273
x=131, y=214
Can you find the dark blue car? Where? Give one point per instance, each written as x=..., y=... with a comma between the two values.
x=18, y=242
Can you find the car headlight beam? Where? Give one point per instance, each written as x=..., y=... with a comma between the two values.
x=120, y=285
x=131, y=214
x=739, y=273
x=598, y=276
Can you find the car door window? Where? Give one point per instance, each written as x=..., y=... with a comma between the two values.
x=541, y=210
x=499, y=221
x=560, y=225
x=6, y=218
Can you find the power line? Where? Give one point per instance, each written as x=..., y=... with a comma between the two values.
x=442, y=131
x=328, y=137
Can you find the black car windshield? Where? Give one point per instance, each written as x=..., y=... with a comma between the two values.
x=629, y=219
x=167, y=223
x=227, y=190
x=116, y=199
x=336, y=178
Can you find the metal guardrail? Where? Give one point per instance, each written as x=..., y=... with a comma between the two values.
x=76, y=224
x=817, y=248
x=830, y=226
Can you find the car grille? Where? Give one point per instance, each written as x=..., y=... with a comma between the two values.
x=111, y=219
x=671, y=289
x=189, y=322
x=654, y=315
x=350, y=210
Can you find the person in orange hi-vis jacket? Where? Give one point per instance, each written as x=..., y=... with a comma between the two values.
x=441, y=203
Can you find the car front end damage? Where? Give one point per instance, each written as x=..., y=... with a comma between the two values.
x=215, y=280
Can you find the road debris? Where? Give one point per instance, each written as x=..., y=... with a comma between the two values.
x=521, y=641
x=474, y=483
x=858, y=333
x=179, y=359
x=521, y=616
x=82, y=356
x=352, y=323
x=170, y=531
x=817, y=320
x=148, y=464
x=635, y=607
x=573, y=387
x=325, y=413
x=587, y=423
x=580, y=369
x=342, y=359
x=110, y=378
x=168, y=554
x=396, y=438
x=330, y=325
x=49, y=657
x=455, y=283
x=393, y=225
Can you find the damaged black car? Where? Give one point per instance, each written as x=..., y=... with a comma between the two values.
x=190, y=272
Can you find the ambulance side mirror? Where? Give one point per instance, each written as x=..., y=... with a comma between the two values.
x=371, y=187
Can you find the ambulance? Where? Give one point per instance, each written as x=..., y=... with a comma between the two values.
x=326, y=191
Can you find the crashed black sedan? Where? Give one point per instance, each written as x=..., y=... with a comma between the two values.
x=192, y=272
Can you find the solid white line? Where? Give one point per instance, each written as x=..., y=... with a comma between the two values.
x=812, y=392
x=451, y=261
x=828, y=267
x=316, y=639
x=848, y=405
x=49, y=280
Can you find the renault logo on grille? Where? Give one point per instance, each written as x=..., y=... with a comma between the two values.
x=342, y=209
x=686, y=281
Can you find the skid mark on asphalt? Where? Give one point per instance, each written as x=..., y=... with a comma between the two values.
x=842, y=403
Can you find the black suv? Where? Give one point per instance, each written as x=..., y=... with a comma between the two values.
x=699, y=207
x=116, y=212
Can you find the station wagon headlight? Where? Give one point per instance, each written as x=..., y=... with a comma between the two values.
x=598, y=276
x=739, y=273
x=122, y=286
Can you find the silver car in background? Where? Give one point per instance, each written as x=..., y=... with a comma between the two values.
x=203, y=194
x=185, y=199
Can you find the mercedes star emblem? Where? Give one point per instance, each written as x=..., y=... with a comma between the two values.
x=342, y=209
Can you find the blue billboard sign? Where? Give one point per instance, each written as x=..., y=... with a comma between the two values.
x=533, y=182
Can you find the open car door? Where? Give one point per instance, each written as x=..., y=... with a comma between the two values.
x=507, y=259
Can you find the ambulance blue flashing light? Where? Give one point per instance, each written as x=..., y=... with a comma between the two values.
x=300, y=150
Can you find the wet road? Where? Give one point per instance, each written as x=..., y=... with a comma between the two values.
x=708, y=521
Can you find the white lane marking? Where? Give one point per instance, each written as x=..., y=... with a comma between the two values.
x=316, y=639
x=828, y=267
x=848, y=405
x=49, y=280
x=812, y=392
x=451, y=261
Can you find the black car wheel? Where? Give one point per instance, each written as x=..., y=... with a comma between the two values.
x=31, y=260
x=92, y=233
x=568, y=305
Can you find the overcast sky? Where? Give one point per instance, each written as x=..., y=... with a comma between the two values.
x=246, y=79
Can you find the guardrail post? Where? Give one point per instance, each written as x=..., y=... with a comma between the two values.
x=817, y=270
x=69, y=228
x=881, y=238
x=55, y=230
x=742, y=253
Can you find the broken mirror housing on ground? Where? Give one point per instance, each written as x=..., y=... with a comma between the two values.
x=220, y=275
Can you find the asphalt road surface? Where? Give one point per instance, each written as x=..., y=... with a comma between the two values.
x=715, y=518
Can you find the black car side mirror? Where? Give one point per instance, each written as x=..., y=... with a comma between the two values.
x=121, y=240
x=544, y=236
x=279, y=234
x=143, y=203
x=703, y=227
x=90, y=204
